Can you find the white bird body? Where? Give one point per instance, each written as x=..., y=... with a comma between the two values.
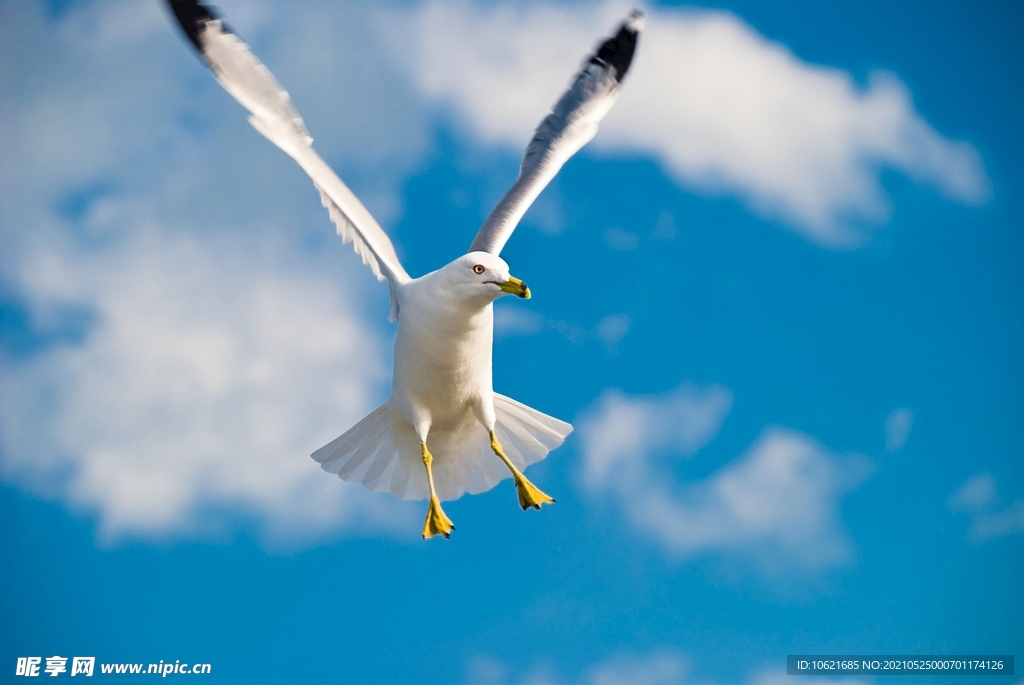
x=442, y=354
x=443, y=430
x=442, y=394
x=441, y=385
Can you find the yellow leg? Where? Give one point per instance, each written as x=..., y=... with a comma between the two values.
x=529, y=494
x=436, y=521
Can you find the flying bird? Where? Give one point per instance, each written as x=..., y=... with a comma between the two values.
x=443, y=431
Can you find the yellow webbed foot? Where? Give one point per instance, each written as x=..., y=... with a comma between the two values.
x=530, y=495
x=437, y=522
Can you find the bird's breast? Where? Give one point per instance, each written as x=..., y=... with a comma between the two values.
x=443, y=358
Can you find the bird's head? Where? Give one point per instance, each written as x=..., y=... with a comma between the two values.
x=485, y=277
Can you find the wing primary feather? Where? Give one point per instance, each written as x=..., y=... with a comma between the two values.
x=617, y=52
x=192, y=17
x=241, y=73
x=572, y=123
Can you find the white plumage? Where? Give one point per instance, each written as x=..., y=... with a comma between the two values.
x=382, y=451
x=443, y=430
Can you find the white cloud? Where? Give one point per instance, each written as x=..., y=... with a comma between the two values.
x=897, y=428
x=725, y=109
x=511, y=320
x=665, y=227
x=776, y=678
x=485, y=670
x=220, y=351
x=212, y=371
x=620, y=431
x=612, y=328
x=975, y=494
x=978, y=497
x=777, y=504
x=618, y=239
x=657, y=667
x=999, y=523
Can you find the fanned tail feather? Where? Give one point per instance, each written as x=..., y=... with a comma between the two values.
x=382, y=452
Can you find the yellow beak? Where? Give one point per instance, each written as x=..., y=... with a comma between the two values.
x=515, y=287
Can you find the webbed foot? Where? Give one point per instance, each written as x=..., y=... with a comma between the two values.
x=437, y=522
x=530, y=495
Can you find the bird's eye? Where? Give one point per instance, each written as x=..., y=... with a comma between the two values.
x=478, y=269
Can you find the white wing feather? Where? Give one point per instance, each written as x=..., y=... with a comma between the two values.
x=239, y=71
x=572, y=123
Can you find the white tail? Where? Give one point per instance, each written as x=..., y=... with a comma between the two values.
x=382, y=451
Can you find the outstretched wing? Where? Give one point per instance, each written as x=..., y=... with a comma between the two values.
x=271, y=113
x=572, y=123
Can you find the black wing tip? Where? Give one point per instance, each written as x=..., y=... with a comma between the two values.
x=192, y=16
x=635, y=22
x=617, y=52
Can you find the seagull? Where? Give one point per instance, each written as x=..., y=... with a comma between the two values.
x=443, y=431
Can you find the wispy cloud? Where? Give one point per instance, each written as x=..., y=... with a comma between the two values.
x=620, y=432
x=897, y=428
x=656, y=667
x=725, y=109
x=975, y=494
x=613, y=328
x=978, y=496
x=511, y=320
x=619, y=239
x=776, y=505
x=659, y=667
x=775, y=678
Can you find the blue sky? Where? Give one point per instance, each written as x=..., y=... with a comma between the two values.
x=779, y=296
